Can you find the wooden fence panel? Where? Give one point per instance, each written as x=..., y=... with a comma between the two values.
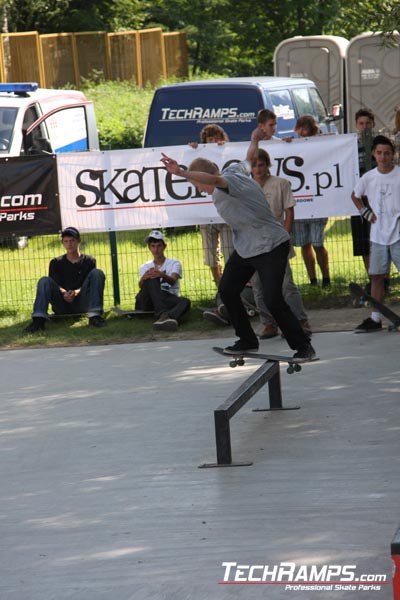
x=22, y=57
x=56, y=60
x=59, y=60
x=92, y=51
x=176, y=54
x=125, y=61
x=152, y=55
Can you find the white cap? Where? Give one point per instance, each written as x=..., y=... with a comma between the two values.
x=155, y=235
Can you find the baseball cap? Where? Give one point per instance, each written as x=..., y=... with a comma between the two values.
x=71, y=231
x=155, y=235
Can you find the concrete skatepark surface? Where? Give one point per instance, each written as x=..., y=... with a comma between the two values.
x=101, y=496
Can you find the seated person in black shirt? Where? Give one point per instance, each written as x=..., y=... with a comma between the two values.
x=73, y=286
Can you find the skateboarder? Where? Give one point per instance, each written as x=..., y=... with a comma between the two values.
x=261, y=245
x=377, y=197
x=159, y=285
x=73, y=286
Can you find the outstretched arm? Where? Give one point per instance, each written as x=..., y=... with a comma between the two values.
x=256, y=136
x=195, y=177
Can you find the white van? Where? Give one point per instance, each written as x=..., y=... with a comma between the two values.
x=34, y=120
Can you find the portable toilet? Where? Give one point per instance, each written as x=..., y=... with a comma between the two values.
x=373, y=78
x=320, y=58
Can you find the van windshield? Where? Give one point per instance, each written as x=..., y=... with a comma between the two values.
x=7, y=122
x=177, y=116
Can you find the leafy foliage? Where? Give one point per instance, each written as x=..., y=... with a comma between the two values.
x=55, y=16
x=225, y=37
x=121, y=111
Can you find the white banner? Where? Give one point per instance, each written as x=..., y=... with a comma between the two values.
x=131, y=189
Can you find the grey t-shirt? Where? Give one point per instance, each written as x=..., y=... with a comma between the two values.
x=242, y=205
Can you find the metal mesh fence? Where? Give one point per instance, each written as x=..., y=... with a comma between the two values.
x=21, y=269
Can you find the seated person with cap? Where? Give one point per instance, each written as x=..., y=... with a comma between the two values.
x=73, y=286
x=159, y=285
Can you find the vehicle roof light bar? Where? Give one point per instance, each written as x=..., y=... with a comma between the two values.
x=19, y=88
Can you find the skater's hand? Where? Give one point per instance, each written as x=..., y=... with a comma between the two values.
x=170, y=164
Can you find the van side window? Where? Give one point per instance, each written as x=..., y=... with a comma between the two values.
x=303, y=101
x=319, y=104
x=283, y=107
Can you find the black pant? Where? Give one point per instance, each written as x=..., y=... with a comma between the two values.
x=270, y=267
x=152, y=297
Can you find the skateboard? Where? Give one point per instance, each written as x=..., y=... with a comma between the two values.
x=131, y=313
x=358, y=292
x=53, y=317
x=294, y=364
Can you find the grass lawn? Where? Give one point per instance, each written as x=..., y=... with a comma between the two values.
x=21, y=270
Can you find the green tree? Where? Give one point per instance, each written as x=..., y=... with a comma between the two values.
x=55, y=16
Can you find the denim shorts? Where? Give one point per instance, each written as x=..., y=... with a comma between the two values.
x=382, y=256
x=306, y=231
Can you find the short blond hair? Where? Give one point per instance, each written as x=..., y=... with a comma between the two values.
x=205, y=165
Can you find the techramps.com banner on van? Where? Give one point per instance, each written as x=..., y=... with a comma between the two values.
x=131, y=189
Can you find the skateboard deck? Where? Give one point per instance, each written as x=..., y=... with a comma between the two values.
x=294, y=364
x=359, y=293
x=132, y=312
x=251, y=309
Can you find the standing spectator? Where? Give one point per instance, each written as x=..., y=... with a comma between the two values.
x=309, y=233
x=267, y=121
x=381, y=187
x=216, y=237
x=365, y=123
x=278, y=194
x=159, y=285
x=73, y=286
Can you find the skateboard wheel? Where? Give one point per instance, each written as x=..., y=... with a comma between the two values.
x=233, y=364
x=251, y=312
x=290, y=369
x=297, y=367
x=240, y=362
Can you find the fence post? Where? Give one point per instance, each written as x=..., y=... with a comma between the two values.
x=114, y=266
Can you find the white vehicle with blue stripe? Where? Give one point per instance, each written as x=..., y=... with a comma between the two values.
x=35, y=120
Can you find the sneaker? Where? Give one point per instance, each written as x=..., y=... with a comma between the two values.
x=165, y=323
x=38, y=324
x=326, y=282
x=97, y=321
x=221, y=308
x=306, y=351
x=213, y=316
x=368, y=325
x=241, y=346
x=306, y=327
x=268, y=332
